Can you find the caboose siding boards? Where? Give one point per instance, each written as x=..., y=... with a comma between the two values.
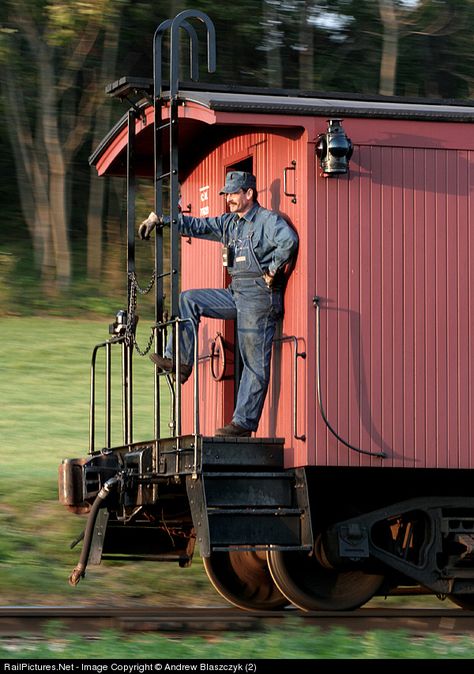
x=410, y=300
x=388, y=249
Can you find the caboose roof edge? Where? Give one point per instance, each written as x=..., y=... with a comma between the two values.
x=290, y=103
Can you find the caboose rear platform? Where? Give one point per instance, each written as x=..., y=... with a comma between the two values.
x=361, y=481
x=252, y=520
x=232, y=496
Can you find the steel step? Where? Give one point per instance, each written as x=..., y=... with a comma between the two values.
x=177, y=455
x=249, y=490
x=255, y=527
x=254, y=453
x=250, y=509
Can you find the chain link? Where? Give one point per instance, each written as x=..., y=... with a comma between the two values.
x=143, y=291
x=130, y=338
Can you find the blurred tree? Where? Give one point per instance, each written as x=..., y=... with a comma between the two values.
x=435, y=58
x=50, y=78
x=402, y=18
x=388, y=62
x=101, y=124
x=305, y=47
x=272, y=42
x=57, y=55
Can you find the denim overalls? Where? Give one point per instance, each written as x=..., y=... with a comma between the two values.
x=256, y=309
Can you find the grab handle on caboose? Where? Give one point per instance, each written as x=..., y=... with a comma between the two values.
x=296, y=354
x=285, y=181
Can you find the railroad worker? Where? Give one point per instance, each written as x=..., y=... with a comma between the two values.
x=257, y=245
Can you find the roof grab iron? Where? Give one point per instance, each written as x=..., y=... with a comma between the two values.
x=180, y=21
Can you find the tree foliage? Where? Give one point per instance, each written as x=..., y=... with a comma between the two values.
x=50, y=78
x=57, y=55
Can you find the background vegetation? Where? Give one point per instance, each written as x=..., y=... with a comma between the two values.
x=61, y=227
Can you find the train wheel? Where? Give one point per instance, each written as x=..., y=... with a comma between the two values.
x=244, y=580
x=311, y=587
x=465, y=601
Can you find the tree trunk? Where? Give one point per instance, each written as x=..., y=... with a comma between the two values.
x=306, y=56
x=25, y=169
x=47, y=146
x=388, y=65
x=31, y=175
x=102, y=123
x=272, y=45
x=56, y=168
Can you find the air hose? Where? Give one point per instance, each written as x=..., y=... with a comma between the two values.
x=382, y=455
x=102, y=496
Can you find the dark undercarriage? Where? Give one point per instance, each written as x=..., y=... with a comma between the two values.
x=321, y=538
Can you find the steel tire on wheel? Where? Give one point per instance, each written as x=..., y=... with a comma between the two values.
x=311, y=587
x=243, y=579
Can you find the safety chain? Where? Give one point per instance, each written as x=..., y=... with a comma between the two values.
x=130, y=327
x=143, y=291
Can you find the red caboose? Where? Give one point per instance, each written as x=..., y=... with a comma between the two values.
x=358, y=481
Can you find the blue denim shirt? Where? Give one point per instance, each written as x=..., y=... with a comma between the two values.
x=274, y=242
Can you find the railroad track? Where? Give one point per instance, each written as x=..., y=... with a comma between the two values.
x=90, y=621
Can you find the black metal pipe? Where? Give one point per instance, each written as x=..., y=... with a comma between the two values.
x=381, y=455
x=102, y=496
x=114, y=340
x=296, y=354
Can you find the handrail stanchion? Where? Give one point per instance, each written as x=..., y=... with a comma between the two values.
x=174, y=322
x=196, y=401
x=92, y=400
x=296, y=354
x=108, y=399
x=108, y=396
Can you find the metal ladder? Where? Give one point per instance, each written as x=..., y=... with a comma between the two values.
x=124, y=327
x=169, y=179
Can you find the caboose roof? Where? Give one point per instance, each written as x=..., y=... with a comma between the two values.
x=211, y=106
x=304, y=104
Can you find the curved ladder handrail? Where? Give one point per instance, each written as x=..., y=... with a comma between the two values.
x=178, y=22
x=157, y=51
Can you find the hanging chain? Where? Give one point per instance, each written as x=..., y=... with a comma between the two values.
x=130, y=327
x=143, y=291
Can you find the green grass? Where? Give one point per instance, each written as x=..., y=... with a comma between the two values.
x=45, y=371
x=44, y=398
x=292, y=640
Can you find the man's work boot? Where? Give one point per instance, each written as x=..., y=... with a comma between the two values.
x=167, y=365
x=233, y=431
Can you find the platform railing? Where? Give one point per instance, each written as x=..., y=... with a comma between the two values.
x=176, y=404
x=126, y=384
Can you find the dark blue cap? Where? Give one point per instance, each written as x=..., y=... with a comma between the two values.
x=238, y=180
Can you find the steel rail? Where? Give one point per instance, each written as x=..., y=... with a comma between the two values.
x=90, y=620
